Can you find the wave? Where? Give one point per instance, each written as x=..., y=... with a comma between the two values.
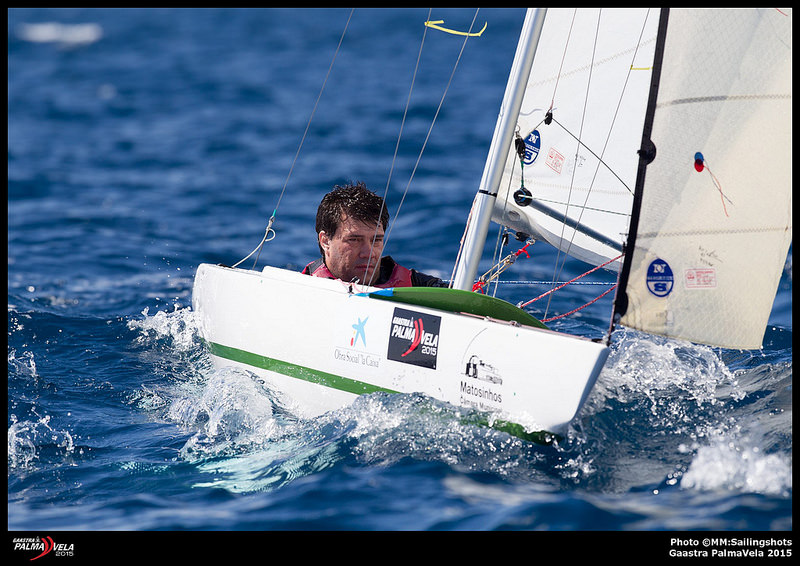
x=664, y=414
x=705, y=419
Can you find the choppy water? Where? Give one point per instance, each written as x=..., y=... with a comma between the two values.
x=143, y=142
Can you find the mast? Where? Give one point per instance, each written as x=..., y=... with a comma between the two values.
x=478, y=228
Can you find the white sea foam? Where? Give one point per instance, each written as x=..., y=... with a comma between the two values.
x=22, y=363
x=179, y=325
x=730, y=462
x=693, y=395
x=647, y=365
x=26, y=439
x=225, y=410
x=673, y=387
x=233, y=411
x=63, y=34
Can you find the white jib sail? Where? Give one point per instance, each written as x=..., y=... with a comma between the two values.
x=592, y=69
x=716, y=216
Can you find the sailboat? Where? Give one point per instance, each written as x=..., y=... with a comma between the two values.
x=653, y=142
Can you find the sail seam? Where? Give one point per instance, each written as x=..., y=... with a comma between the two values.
x=596, y=64
x=715, y=232
x=584, y=207
x=723, y=98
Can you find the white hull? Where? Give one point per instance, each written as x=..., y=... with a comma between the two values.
x=320, y=346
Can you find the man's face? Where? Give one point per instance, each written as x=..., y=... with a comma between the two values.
x=350, y=250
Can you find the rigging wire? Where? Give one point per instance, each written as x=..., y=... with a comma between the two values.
x=494, y=273
x=573, y=311
x=563, y=57
x=549, y=282
x=269, y=229
x=571, y=281
x=598, y=157
x=558, y=270
x=270, y=234
x=502, y=236
x=502, y=232
x=611, y=126
x=427, y=136
x=399, y=137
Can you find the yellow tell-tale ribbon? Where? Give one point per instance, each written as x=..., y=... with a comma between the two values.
x=434, y=25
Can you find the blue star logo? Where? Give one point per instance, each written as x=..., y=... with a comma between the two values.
x=359, y=328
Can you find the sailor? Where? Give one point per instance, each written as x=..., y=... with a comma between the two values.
x=351, y=223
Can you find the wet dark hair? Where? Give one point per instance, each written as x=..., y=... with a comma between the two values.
x=354, y=200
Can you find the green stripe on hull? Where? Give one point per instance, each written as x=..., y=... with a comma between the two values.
x=357, y=387
x=293, y=370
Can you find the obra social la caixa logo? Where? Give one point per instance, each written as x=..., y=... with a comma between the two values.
x=40, y=547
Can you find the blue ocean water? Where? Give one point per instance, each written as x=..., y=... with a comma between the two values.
x=143, y=142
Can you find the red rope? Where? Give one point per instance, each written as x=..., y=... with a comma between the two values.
x=479, y=285
x=579, y=308
x=523, y=249
x=572, y=281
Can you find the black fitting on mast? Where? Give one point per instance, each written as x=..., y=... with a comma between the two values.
x=519, y=145
x=522, y=196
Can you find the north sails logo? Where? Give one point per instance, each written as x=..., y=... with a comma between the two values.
x=414, y=338
x=532, y=146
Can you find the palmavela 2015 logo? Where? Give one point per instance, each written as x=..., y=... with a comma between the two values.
x=42, y=546
x=414, y=338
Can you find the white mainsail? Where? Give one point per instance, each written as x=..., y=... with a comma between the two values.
x=715, y=222
x=592, y=73
x=705, y=217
